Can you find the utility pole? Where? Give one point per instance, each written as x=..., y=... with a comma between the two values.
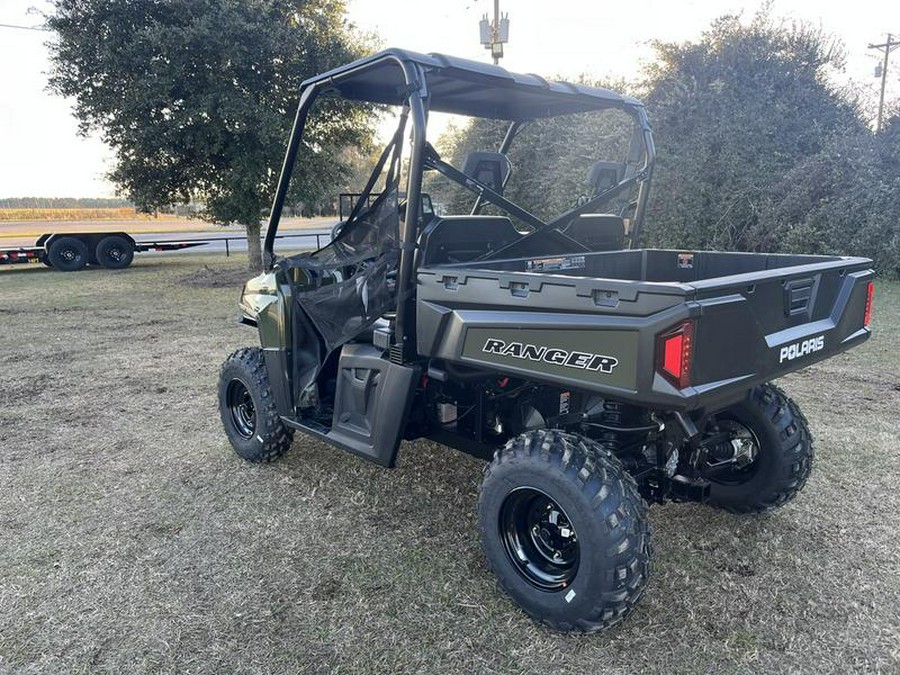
x=495, y=33
x=887, y=48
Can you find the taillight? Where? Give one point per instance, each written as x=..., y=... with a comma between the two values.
x=870, y=295
x=675, y=351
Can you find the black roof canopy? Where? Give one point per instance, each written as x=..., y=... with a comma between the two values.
x=465, y=87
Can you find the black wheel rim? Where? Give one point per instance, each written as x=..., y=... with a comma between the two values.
x=539, y=539
x=69, y=254
x=240, y=405
x=116, y=254
x=734, y=459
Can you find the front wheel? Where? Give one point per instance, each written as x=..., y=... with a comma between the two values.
x=565, y=530
x=248, y=410
x=759, y=452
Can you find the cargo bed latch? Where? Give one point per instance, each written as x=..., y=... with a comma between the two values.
x=605, y=298
x=519, y=289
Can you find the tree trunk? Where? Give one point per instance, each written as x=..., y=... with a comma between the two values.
x=254, y=249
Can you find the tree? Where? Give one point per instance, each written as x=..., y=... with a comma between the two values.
x=845, y=199
x=756, y=150
x=196, y=97
x=733, y=115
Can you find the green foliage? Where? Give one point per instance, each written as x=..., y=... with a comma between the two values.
x=733, y=114
x=197, y=97
x=757, y=151
x=844, y=199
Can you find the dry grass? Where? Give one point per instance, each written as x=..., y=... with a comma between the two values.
x=134, y=540
x=111, y=213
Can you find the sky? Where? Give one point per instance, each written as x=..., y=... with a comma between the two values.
x=41, y=153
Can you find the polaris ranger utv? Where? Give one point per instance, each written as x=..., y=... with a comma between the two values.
x=594, y=376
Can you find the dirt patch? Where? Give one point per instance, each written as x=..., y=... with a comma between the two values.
x=215, y=277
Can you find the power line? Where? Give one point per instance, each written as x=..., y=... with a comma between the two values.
x=37, y=28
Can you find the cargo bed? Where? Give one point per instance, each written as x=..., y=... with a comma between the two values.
x=750, y=318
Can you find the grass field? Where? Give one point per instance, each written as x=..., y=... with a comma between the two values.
x=115, y=213
x=134, y=539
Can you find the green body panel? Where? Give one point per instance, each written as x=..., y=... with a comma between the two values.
x=607, y=357
x=261, y=302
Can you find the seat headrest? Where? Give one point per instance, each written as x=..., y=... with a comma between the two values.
x=490, y=168
x=603, y=175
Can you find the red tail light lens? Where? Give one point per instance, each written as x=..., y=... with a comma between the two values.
x=870, y=295
x=675, y=353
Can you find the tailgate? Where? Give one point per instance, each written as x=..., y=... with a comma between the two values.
x=762, y=325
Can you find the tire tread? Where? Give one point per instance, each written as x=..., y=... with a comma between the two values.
x=612, y=494
x=796, y=445
x=275, y=438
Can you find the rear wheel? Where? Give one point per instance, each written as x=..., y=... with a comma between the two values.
x=565, y=530
x=115, y=252
x=759, y=452
x=68, y=254
x=248, y=410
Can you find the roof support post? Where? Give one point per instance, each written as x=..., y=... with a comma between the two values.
x=287, y=168
x=404, y=329
x=644, y=188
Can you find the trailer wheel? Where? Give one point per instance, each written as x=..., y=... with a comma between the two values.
x=68, y=254
x=763, y=455
x=115, y=252
x=247, y=408
x=565, y=530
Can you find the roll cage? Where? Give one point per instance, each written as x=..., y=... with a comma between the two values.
x=421, y=83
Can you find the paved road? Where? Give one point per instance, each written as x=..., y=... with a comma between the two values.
x=288, y=240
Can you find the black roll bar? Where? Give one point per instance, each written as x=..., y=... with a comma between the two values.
x=284, y=179
x=307, y=97
x=432, y=161
x=404, y=328
x=415, y=88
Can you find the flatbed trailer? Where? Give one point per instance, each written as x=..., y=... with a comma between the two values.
x=72, y=251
